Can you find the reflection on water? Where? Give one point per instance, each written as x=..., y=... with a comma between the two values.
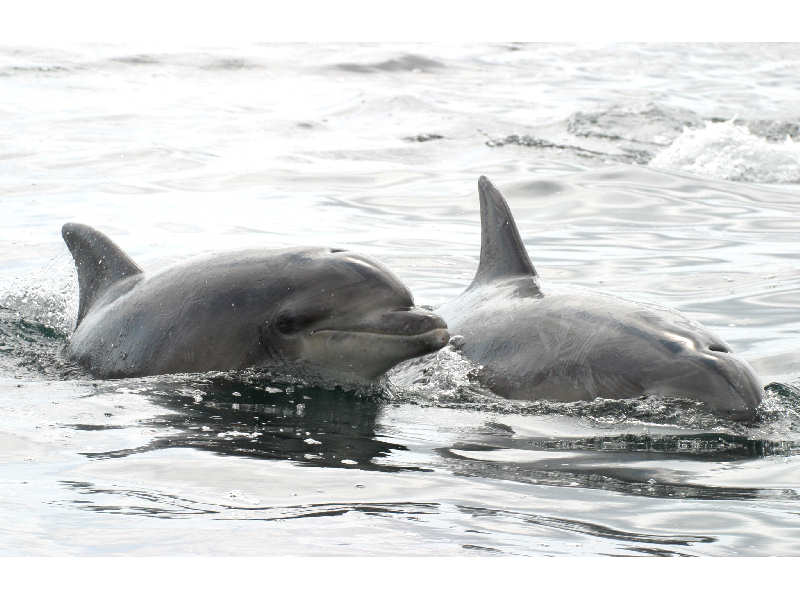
x=260, y=417
x=610, y=472
x=168, y=506
x=229, y=415
x=590, y=528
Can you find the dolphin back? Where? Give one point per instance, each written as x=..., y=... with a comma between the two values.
x=503, y=254
x=99, y=261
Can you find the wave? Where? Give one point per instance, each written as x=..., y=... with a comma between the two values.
x=625, y=155
x=677, y=139
x=75, y=65
x=644, y=124
x=406, y=62
x=725, y=150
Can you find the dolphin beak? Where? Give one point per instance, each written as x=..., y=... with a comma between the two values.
x=410, y=321
x=422, y=330
x=381, y=340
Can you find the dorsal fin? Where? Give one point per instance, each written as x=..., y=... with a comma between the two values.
x=503, y=254
x=100, y=263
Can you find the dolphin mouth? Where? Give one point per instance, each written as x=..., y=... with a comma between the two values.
x=434, y=335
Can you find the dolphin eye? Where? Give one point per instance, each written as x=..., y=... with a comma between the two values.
x=717, y=348
x=291, y=323
x=288, y=324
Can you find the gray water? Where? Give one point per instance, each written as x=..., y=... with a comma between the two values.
x=661, y=173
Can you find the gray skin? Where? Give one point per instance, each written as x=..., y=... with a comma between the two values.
x=318, y=312
x=577, y=344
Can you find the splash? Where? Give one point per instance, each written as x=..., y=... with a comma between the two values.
x=37, y=314
x=446, y=378
x=725, y=150
x=46, y=296
x=37, y=304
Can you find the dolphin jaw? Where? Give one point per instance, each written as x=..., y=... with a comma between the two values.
x=439, y=331
x=368, y=354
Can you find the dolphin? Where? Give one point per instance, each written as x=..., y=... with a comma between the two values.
x=573, y=344
x=319, y=312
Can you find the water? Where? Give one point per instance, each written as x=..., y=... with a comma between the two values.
x=662, y=173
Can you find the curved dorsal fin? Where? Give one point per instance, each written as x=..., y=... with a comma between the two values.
x=100, y=263
x=503, y=254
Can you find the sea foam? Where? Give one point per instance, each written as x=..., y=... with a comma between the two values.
x=725, y=150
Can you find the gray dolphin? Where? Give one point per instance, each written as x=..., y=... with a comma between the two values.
x=577, y=344
x=319, y=312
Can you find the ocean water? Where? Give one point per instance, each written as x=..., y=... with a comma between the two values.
x=664, y=173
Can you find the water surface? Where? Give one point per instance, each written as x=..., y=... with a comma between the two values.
x=662, y=173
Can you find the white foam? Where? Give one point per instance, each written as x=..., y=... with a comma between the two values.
x=728, y=151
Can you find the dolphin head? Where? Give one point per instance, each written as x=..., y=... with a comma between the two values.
x=685, y=360
x=354, y=321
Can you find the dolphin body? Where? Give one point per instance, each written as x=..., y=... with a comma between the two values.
x=320, y=312
x=577, y=344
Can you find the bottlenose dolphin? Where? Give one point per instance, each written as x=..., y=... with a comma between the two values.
x=578, y=344
x=320, y=312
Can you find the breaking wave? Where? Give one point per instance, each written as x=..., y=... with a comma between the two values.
x=670, y=138
x=725, y=150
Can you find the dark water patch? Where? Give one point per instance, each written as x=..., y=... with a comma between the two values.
x=680, y=412
x=205, y=62
x=93, y=427
x=147, y=503
x=651, y=124
x=627, y=155
x=590, y=529
x=717, y=447
x=652, y=480
x=150, y=504
x=423, y=137
x=407, y=63
x=657, y=551
x=482, y=549
x=231, y=63
x=407, y=510
x=264, y=418
x=28, y=70
x=139, y=59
